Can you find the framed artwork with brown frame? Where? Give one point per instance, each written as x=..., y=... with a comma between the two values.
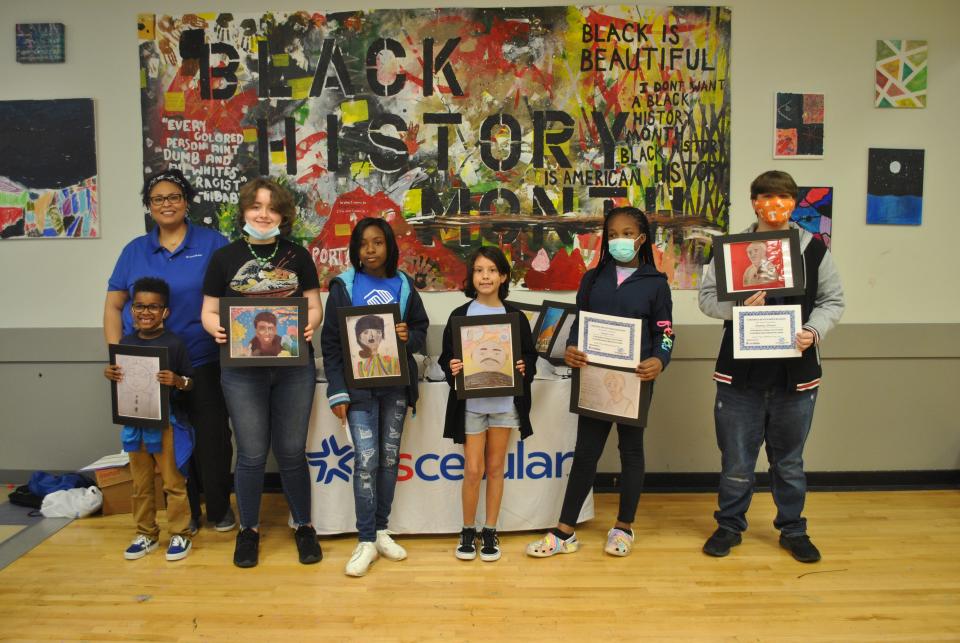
x=264, y=331
x=373, y=355
x=609, y=393
x=138, y=398
x=489, y=347
x=751, y=262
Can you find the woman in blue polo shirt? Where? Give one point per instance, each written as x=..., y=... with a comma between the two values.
x=178, y=253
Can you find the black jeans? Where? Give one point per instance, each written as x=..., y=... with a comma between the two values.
x=213, y=448
x=591, y=438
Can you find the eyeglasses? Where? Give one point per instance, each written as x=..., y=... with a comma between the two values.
x=172, y=199
x=153, y=308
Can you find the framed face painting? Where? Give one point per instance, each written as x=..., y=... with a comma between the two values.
x=373, y=355
x=751, y=262
x=488, y=346
x=553, y=329
x=139, y=399
x=264, y=331
x=613, y=394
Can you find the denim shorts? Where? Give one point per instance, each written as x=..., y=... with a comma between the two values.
x=477, y=423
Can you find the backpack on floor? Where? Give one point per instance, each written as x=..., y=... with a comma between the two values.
x=23, y=497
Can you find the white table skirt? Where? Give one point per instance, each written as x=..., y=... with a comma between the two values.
x=431, y=467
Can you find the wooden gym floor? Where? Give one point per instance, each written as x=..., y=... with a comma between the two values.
x=890, y=572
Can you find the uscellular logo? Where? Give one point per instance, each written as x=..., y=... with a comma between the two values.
x=341, y=457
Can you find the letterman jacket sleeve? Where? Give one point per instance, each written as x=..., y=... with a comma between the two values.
x=829, y=304
x=330, y=346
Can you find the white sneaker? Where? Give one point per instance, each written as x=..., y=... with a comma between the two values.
x=363, y=556
x=388, y=548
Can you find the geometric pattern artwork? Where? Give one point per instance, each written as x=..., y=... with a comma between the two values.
x=895, y=186
x=799, y=126
x=901, y=74
x=462, y=127
x=48, y=169
x=814, y=212
x=40, y=42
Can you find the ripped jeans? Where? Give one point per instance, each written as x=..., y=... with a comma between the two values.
x=376, y=426
x=745, y=419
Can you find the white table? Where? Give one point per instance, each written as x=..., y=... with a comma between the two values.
x=431, y=467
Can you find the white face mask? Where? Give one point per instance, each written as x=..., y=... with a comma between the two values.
x=261, y=236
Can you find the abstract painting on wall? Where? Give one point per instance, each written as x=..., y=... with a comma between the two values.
x=41, y=42
x=901, y=74
x=799, y=126
x=895, y=186
x=48, y=169
x=814, y=212
x=516, y=127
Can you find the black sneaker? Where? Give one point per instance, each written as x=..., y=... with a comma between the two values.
x=489, y=545
x=307, y=545
x=720, y=542
x=468, y=544
x=801, y=548
x=247, y=550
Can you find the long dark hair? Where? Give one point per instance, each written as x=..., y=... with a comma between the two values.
x=646, y=248
x=356, y=239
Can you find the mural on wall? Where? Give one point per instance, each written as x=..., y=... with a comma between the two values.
x=895, y=186
x=901, y=74
x=814, y=212
x=798, y=130
x=40, y=42
x=515, y=127
x=48, y=169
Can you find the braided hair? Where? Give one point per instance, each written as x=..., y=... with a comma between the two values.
x=646, y=248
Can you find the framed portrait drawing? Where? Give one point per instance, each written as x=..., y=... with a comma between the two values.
x=608, y=393
x=549, y=338
x=264, y=331
x=751, y=262
x=139, y=399
x=531, y=312
x=373, y=355
x=488, y=346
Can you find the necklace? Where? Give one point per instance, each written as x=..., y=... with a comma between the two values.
x=263, y=261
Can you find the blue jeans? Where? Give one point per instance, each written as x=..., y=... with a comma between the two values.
x=745, y=419
x=376, y=426
x=270, y=407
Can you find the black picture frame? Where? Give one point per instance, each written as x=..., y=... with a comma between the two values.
x=637, y=418
x=728, y=288
x=158, y=389
x=549, y=309
x=531, y=311
x=349, y=317
x=240, y=312
x=465, y=389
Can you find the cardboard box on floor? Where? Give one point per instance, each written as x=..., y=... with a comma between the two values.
x=116, y=484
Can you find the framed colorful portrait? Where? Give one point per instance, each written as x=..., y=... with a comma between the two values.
x=553, y=329
x=264, y=331
x=373, y=355
x=608, y=393
x=488, y=346
x=751, y=262
x=139, y=399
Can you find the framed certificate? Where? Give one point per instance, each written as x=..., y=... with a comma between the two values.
x=611, y=394
x=553, y=330
x=139, y=399
x=264, y=331
x=749, y=263
x=610, y=340
x=373, y=355
x=761, y=332
x=488, y=346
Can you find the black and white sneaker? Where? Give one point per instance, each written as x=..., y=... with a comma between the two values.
x=467, y=550
x=489, y=545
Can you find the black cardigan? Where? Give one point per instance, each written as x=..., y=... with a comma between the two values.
x=454, y=426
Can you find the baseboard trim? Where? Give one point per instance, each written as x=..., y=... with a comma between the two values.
x=816, y=481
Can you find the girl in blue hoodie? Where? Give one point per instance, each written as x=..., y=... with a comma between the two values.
x=625, y=283
x=375, y=415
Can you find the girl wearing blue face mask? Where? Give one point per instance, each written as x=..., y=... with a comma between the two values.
x=269, y=405
x=625, y=283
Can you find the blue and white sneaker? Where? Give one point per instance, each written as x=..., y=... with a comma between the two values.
x=179, y=548
x=140, y=547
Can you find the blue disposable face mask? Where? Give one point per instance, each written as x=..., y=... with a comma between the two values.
x=623, y=250
x=262, y=236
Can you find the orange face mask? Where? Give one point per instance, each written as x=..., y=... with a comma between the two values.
x=775, y=211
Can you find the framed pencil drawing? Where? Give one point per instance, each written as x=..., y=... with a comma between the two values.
x=373, y=355
x=138, y=398
x=608, y=393
x=488, y=346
